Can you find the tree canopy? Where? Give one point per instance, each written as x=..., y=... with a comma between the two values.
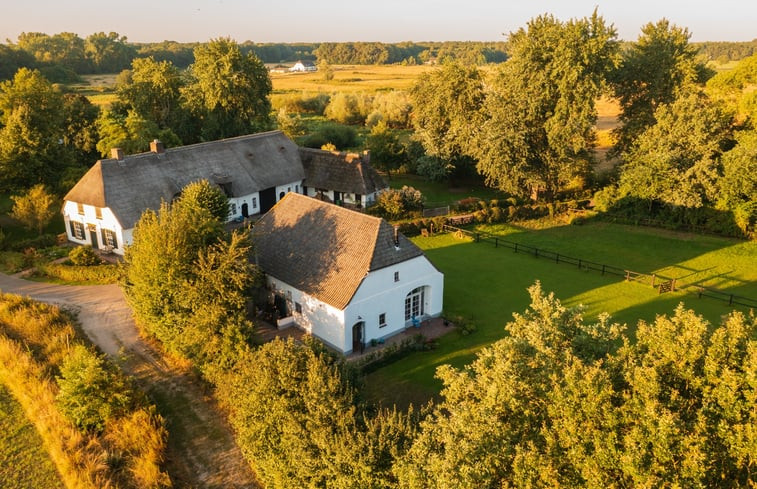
x=540, y=112
x=228, y=91
x=653, y=71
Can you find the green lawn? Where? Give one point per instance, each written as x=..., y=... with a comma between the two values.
x=440, y=192
x=486, y=285
x=24, y=463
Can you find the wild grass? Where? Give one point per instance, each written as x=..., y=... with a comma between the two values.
x=486, y=285
x=34, y=340
x=24, y=462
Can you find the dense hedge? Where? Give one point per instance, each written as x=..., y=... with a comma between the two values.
x=95, y=274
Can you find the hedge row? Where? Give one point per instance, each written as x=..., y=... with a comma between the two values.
x=95, y=274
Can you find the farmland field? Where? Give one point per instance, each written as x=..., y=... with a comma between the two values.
x=348, y=78
x=486, y=285
x=24, y=463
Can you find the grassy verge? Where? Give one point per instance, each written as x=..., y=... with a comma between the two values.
x=35, y=341
x=486, y=285
x=23, y=459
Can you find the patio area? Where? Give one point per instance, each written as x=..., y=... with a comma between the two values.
x=431, y=329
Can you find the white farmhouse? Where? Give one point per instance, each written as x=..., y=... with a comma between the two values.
x=302, y=66
x=344, y=276
x=254, y=171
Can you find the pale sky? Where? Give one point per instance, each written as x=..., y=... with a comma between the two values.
x=359, y=20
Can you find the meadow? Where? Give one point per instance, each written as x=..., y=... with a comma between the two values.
x=486, y=285
x=24, y=462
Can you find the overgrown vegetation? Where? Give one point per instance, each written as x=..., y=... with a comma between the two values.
x=94, y=439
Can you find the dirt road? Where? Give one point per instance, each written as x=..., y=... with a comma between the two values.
x=201, y=448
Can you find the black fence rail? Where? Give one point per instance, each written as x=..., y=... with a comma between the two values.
x=662, y=283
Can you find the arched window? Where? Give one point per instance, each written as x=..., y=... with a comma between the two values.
x=414, y=303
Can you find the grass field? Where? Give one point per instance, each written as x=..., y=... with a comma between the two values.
x=486, y=285
x=348, y=78
x=24, y=463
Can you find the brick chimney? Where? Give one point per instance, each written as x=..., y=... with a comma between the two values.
x=157, y=147
x=367, y=156
x=117, y=153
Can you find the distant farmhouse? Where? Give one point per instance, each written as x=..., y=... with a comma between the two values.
x=254, y=172
x=344, y=276
x=301, y=66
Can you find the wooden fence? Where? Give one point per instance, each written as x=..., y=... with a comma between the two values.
x=662, y=283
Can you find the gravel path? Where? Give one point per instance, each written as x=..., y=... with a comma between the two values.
x=201, y=448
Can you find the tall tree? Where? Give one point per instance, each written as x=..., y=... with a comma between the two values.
x=541, y=109
x=229, y=90
x=653, y=72
x=152, y=89
x=31, y=131
x=387, y=152
x=108, y=53
x=676, y=160
x=445, y=105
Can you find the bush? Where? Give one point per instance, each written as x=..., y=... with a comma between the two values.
x=84, y=256
x=91, y=391
x=43, y=241
x=395, y=204
x=339, y=135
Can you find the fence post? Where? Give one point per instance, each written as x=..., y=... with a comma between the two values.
x=516, y=247
x=603, y=269
x=673, y=285
x=557, y=257
x=730, y=300
x=536, y=252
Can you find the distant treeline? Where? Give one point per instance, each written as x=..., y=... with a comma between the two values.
x=723, y=52
x=64, y=56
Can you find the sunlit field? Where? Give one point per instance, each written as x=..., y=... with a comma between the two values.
x=350, y=78
x=486, y=285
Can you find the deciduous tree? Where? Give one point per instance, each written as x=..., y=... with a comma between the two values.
x=653, y=72
x=229, y=90
x=540, y=112
x=34, y=209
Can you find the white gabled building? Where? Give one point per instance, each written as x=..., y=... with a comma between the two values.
x=301, y=66
x=254, y=171
x=344, y=276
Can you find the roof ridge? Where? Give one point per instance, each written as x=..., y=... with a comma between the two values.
x=191, y=147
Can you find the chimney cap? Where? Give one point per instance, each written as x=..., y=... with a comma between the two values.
x=156, y=146
x=117, y=153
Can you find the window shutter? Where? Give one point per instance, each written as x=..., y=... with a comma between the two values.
x=71, y=227
x=104, y=237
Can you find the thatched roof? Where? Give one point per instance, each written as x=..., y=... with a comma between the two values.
x=325, y=250
x=138, y=182
x=343, y=172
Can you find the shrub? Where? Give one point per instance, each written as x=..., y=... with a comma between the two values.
x=43, y=241
x=339, y=135
x=93, y=274
x=84, y=256
x=395, y=204
x=91, y=391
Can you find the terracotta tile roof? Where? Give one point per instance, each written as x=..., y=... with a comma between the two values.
x=250, y=163
x=325, y=250
x=343, y=172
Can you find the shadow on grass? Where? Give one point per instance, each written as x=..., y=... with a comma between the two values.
x=486, y=285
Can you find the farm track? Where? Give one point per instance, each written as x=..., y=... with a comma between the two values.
x=201, y=448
